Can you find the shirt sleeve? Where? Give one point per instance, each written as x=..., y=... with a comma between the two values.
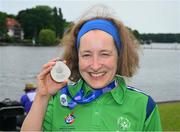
x=153, y=122
x=24, y=99
x=47, y=123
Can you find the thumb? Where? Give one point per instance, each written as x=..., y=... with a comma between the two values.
x=62, y=84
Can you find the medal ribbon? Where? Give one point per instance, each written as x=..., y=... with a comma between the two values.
x=80, y=98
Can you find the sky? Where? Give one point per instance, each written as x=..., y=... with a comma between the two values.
x=146, y=16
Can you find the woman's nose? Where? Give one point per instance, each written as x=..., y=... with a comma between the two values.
x=96, y=63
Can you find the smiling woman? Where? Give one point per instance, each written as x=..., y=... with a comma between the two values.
x=100, y=52
x=97, y=58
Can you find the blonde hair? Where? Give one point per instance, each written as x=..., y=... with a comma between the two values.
x=128, y=61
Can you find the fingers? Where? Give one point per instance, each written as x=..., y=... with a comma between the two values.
x=52, y=86
x=58, y=59
x=47, y=67
x=50, y=63
x=53, y=62
x=46, y=85
x=65, y=81
x=44, y=73
x=61, y=85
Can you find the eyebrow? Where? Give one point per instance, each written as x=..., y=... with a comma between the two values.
x=84, y=51
x=104, y=50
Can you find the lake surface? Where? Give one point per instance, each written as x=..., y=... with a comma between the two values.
x=158, y=76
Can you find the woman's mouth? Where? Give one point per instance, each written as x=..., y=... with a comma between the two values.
x=97, y=75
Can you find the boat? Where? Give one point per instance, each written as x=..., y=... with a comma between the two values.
x=11, y=115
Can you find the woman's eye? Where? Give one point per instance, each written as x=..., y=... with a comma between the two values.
x=86, y=55
x=105, y=54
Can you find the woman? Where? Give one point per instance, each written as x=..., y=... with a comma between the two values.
x=99, y=51
x=28, y=97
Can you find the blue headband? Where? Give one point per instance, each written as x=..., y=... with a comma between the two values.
x=100, y=24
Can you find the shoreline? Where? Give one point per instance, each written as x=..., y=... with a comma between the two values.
x=169, y=101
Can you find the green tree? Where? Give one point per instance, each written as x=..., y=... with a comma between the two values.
x=160, y=37
x=3, y=28
x=136, y=34
x=178, y=38
x=35, y=19
x=41, y=17
x=59, y=22
x=47, y=37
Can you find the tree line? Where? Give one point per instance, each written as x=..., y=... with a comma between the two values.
x=43, y=22
x=35, y=20
x=158, y=37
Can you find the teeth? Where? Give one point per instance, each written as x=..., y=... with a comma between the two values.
x=97, y=74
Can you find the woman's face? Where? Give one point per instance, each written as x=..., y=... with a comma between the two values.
x=97, y=58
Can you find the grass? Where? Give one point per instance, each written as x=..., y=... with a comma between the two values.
x=170, y=116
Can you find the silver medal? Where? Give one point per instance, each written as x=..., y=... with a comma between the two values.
x=60, y=72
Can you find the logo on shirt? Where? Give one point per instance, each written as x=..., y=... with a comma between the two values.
x=69, y=119
x=123, y=123
x=63, y=100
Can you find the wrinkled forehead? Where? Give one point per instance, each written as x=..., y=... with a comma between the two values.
x=97, y=40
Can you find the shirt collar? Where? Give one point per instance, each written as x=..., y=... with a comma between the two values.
x=118, y=93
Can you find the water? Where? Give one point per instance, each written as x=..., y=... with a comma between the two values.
x=20, y=65
x=159, y=72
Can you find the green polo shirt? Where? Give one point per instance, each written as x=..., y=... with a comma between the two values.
x=120, y=109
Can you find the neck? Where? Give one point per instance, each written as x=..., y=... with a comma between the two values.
x=111, y=84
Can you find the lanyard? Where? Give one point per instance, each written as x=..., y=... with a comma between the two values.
x=80, y=98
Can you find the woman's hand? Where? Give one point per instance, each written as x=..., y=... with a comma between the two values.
x=46, y=85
